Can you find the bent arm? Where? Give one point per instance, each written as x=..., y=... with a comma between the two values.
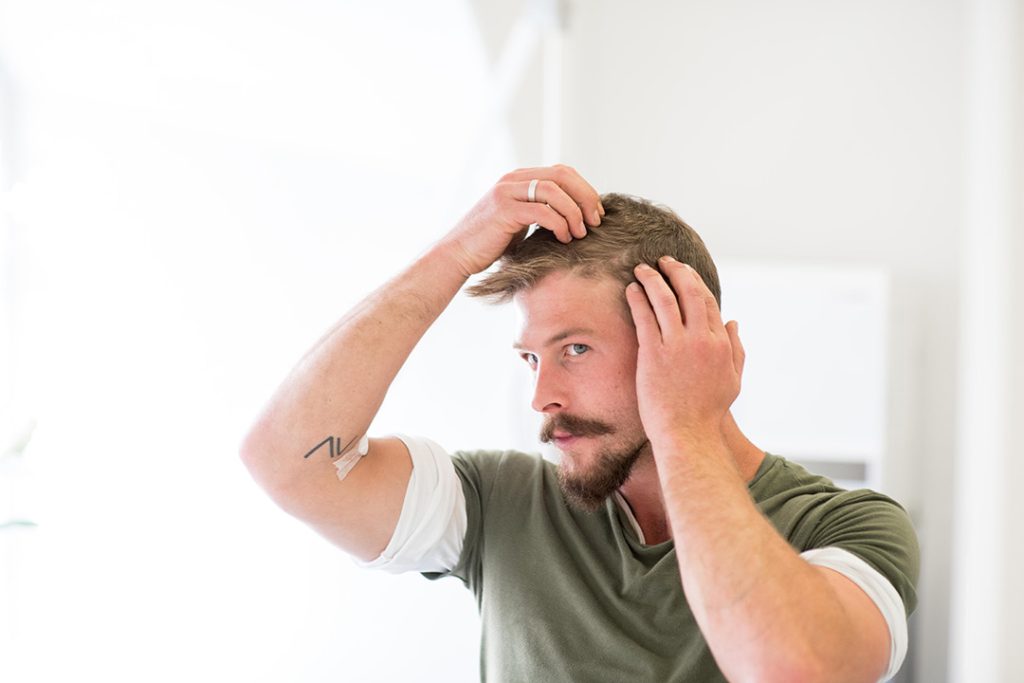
x=766, y=613
x=334, y=392
x=331, y=396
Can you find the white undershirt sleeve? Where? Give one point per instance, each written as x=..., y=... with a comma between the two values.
x=878, y=588
x=432, y=525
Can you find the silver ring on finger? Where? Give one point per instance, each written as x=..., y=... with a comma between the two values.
x=531, y=194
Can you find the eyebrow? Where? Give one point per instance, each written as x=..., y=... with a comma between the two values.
x=560, y=336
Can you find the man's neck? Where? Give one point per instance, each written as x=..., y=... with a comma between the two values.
x=643, y=489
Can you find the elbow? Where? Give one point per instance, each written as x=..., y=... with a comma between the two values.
x=260, y=464
x=248, y=453
x=279, y=482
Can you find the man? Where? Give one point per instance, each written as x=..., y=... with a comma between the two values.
x=665, y=546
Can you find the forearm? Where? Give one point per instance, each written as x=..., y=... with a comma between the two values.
x=338, y=386
x=764, y=611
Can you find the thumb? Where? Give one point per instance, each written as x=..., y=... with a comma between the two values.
x=739, y=356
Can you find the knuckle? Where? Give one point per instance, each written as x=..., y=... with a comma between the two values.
x=510, y=176
x=664, y=298
x=547, y=184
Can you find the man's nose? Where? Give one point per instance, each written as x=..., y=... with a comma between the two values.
x=549, y=388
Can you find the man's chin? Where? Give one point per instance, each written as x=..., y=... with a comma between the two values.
x=587, y=478
x=579, y=491
x=576, y=465
x=583, y=500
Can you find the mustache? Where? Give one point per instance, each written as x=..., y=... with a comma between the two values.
x=577, y=426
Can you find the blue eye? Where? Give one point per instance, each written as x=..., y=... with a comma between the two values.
x=530, y=359
x=578, y=349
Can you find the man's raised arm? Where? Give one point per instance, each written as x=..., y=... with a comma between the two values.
x=332, y=395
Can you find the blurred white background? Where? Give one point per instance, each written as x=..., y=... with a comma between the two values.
x=192, y=193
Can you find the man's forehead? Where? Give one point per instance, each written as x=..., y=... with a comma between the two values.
x=563, y=294
x=562, y=303
x=560, y=285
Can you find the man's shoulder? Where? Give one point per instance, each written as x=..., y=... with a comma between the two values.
x=796, y=499
x=811, y=511
x=781, y=481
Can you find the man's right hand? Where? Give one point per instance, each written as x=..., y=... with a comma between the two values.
x=564, y=203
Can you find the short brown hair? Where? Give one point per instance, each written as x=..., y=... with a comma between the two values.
x=633, y=230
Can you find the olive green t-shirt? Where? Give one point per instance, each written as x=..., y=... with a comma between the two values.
x=566, y=595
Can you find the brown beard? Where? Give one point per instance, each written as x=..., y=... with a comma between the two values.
x=588, y=490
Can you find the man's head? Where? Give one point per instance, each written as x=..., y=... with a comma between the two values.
x=577, y=335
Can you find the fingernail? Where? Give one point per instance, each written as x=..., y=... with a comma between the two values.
x=667, y=258
x=600, y=207
x=597, y=217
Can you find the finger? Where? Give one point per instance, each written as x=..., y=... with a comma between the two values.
x=688, y=293
x=548, y=192
x=714, y=314
x=567, y=178
x=699, y=306
x=663, y=301
x=647, y=331
x=739, y=356
x=543, y=215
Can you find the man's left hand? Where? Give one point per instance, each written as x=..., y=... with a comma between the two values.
x=689, y=364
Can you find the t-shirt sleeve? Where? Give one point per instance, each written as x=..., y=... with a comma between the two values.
x=432, y=524
x=875, y=528
x=477, y=472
